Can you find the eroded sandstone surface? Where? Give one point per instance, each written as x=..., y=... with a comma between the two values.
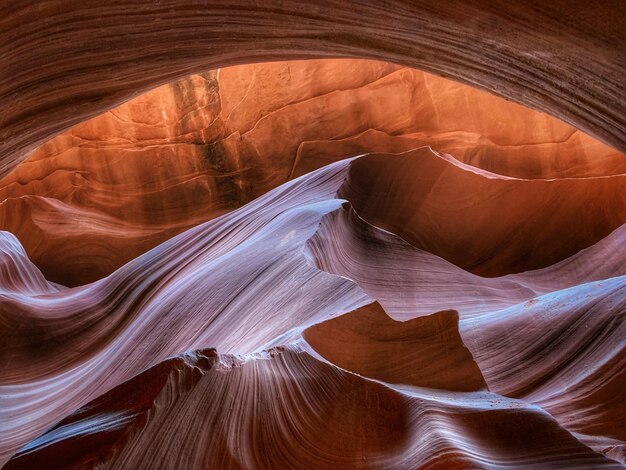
x=335, y=263
x=111, y=188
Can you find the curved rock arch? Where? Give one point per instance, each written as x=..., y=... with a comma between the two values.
x=66, y=61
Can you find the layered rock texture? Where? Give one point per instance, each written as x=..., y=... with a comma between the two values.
x=68, y=60
x=334, y=263
x=110, y=189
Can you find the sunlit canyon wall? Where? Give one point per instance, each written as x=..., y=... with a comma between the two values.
x=109, y=189
x=333, y=263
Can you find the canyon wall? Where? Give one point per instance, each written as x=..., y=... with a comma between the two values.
x=213, y=255
x=111, y=188
x=64, y=62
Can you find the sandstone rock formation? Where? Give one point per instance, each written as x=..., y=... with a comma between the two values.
x=254, y=283
x=67, y=60
x=108, y=190
x=331, y=263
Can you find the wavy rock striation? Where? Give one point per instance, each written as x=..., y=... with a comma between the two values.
x=337, y=263
x=252, y=404
x=480, y=221
x=66, y=61
x=295, y=362
x=117, y=185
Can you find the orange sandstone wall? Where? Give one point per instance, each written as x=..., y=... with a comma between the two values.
x=113, y=187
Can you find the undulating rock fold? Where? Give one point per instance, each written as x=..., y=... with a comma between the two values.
x=483, y=222
x=330, y=263
x=117, y=185
x=68, y=347
x=82, y=341
x=393, y=425
x=410, y=282
x=579, y=382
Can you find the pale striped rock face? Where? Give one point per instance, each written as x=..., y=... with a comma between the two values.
x=331, y=263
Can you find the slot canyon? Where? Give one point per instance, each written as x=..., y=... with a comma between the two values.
x=275, y=235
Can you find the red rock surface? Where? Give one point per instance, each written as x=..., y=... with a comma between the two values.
x=211, y=285
x=321, y=264
x=67, y=60
x=111, y=188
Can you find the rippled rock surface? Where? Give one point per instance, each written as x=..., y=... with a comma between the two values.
x=110, y=189
x=333, y=263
